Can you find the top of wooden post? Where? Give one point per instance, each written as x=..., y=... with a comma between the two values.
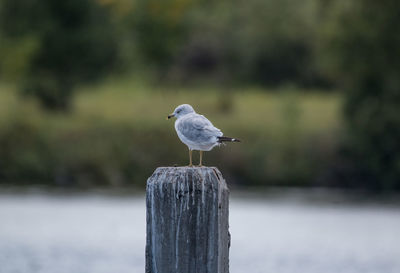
x=199, y=173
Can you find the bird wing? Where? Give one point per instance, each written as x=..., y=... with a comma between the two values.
x=198, y=129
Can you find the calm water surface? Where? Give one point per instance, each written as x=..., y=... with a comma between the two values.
x=97, y=234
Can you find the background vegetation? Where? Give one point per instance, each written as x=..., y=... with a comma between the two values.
x=310, y=86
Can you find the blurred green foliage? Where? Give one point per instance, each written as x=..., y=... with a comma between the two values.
x=237, y=53
x=119, y=134
x=56, y=45
x=264, y=42
x=53, y=47
x=361, y=42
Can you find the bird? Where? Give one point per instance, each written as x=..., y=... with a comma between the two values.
x=197, y=132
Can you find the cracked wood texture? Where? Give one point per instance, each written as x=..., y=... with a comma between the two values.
x=187, y=221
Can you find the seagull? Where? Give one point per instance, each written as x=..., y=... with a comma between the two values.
x=196, y=131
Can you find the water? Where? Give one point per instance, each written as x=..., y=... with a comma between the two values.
x=97, y=234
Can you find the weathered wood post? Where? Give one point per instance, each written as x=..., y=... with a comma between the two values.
x=187, y=221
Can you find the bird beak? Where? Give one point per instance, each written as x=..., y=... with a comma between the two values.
x=170, y=116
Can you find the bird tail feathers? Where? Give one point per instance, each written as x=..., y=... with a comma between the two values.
x=222, y=139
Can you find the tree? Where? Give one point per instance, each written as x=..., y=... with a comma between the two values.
x=362, y=42
x=65, y=43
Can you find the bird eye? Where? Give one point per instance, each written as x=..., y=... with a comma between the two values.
x=178, y=111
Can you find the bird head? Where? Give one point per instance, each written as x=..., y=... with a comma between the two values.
x=181, y=110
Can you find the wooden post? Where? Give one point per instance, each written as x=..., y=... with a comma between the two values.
x=187, y=221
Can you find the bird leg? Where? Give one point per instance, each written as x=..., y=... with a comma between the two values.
x=190, y=158
x=201, y=159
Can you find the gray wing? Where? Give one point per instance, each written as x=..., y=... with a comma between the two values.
x=199, y=129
